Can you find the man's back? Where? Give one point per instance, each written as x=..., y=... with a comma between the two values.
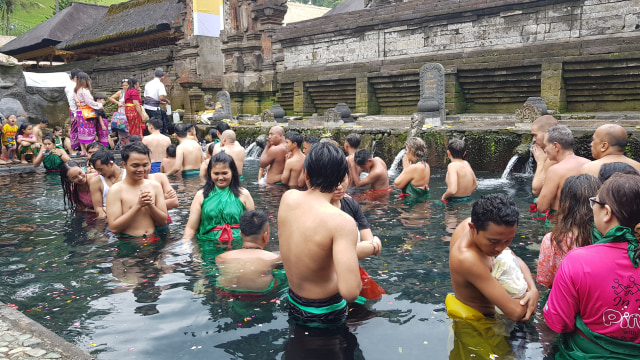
x=246, y=269
x=310, y=246
x=158, y=145
x=464, y=176
x=593, y=167
x=554, y=181
x=237, y=152
x=379, y=170
x=191, y=154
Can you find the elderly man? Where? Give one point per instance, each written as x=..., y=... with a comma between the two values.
x=538, y=130
x=274, y=155
x=608, y=146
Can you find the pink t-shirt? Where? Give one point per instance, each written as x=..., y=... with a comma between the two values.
x=550, y=258
x=600, y=283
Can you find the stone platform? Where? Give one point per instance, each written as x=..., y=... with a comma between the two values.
x=22, y=338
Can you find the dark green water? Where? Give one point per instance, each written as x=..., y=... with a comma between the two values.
x=156, y=300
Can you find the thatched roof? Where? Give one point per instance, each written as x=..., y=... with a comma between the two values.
x=346, y=6
x=127, y=22
x=57, y=28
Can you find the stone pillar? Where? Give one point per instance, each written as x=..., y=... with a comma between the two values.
x=453, y=95
x=366, y=101
x=302, y=104
x=552, y=88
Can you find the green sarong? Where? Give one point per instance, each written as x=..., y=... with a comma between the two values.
x=221, y=207
x=418, y=192
x=594, y=346
x=459, y=198
x=52, y=162
x=278, y=183
x=193, y=173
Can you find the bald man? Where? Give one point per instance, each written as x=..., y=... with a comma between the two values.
x=229, y=145
x=274, y=155
x=538, y=130
x=559, y=148
x=608, y=146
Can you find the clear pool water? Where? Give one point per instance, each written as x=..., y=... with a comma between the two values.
x=143, y=301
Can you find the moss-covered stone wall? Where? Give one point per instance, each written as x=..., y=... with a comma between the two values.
x=487, y=150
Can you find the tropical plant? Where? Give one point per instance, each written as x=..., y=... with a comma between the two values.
x=6, y=9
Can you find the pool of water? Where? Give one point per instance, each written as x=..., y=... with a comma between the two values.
x=156, y=300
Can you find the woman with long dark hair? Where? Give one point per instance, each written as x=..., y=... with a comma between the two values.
x=595, y=295
x=75, y=187
x=575, y=223
x=216, y=209
x=86, y=127
x=133, y=107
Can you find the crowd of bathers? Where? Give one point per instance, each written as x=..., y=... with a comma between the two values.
x=589, y=259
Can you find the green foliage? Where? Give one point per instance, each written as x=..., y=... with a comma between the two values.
x=27, y=14
x=323, y=3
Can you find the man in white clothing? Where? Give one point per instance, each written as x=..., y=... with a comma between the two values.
x=154, y=95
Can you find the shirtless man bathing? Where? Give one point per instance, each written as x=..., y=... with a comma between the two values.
x=608, y=146
x=136, y=206
x=157, y=143
x=319, y=249
x=474, y=245
x=189, y=154
x=273, y=155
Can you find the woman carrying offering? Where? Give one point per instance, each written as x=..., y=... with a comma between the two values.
x=85, y=102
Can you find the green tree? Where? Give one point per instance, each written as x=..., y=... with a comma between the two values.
x=6, y=9
x=61, y=5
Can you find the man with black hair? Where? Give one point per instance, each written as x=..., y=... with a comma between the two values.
x=474, y=245
x=558, y=147
x=351, y=145
x=378, y=176
x=189, y=154
x=274, y=155
x=249, y=271
x=295, y=160
x=319, y=249
x=135, y=205
x=461, y=180
x=108, y=174
x=155, y=94
x=157, y=143
x=308, y=141
x=608, y=146
x=37, y=130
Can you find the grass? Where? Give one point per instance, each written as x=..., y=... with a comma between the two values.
x=31, y=13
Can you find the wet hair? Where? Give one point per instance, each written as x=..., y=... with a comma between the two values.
x=361, y=156
x=213, y=133
x=44, y=121
x=134, y=147
x=49, y=137
x=295, y=137
x=22, y=128
x=457, y=148
x=155, y=122
x=353, y=140
x=69, y=191
x=575, y=214
x=253, y=223
x=311, y=139
x=608, y=169
x=562, y=135
x=499, y=209
x=57, y=128
x=418, y=147
x=221, y=126
x=222, y=158
x=171, y=150
x=96, y=144
x=74, y=73
x=83, y=81
x=134, y=138
x=181, y=130
x=100, y=96
x=326, y=166
x=622, y=193
x=159, y=73
x=103, y=155
x=210, y=148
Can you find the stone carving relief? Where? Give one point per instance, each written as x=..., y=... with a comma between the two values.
x=224, y=99
x=332, y=115
x=527, y=114
x=267, y=116
x=209, y=104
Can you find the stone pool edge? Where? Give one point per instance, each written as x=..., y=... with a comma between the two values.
x=49, y=341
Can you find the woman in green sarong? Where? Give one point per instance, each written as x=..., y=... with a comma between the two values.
x=52, y=157
x=596, y=291
x=216, y=209
x=414, y=178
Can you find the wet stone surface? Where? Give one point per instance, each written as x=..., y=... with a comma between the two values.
x=16, y=345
